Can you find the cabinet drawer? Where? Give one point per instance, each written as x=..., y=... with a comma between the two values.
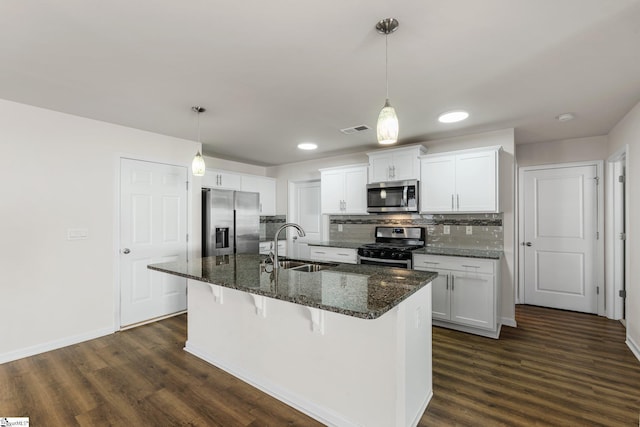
x=466, y=265
x=333, y=254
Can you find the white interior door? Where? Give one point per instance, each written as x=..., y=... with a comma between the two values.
x=559, y=242
x=153, y=228
x=304, y=209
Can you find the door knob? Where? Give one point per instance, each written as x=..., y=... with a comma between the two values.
x=526, y=243
x=126, y=251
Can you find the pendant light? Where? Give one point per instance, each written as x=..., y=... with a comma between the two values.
x=197, y=166
x=387, y=128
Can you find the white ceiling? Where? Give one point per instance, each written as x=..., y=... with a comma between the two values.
x=275, y=73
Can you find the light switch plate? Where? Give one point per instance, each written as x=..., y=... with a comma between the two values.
x=77, y=233
x=447, y=229
x=469, y=229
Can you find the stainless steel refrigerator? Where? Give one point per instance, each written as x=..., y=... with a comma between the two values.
x=230, y=222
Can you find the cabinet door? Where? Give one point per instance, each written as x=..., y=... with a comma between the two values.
x=221, y=179
x=405, y=166
x=267, y=189
x=476, y=182
x=355, y=191
x=472, y=300
x=333, y=254
x=437, y=184
x=332, y=192
x=380, y=167
x=441, y=296
x=265, y=248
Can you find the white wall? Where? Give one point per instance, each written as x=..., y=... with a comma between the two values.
x=229, y=165
x=627, y=132
x=562, y=151
x=58, y=172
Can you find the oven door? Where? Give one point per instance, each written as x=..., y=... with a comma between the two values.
x=385, y=262
x=398, y=196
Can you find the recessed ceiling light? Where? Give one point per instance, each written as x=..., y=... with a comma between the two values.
x=307, y=146
x=565, y=117
x=453, y=116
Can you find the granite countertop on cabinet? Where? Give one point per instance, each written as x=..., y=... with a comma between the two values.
x=363, y=291
x=461, y=252
x=336, y=244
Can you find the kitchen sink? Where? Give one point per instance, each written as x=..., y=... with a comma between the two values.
x=305, y=266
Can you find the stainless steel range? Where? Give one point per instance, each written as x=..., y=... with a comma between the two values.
x=393, y=246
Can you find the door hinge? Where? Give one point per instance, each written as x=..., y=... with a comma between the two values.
x=623, y=236
x=187, y=237
x=597, y=178
x=597, y=235
x=597, y=290
x=187, y=185
x=621, y=178
x=622, y=293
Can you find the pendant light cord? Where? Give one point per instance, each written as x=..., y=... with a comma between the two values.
x=198, y=126
x=386, y=62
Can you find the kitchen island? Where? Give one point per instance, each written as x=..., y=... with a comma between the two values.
x=349, y=345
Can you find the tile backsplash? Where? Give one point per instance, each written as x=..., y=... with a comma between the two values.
x=269, y=225
x=486, y=229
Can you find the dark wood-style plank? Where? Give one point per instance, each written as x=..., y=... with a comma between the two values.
x=557, y=368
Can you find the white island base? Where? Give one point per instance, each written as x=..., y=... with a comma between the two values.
x=338, y=369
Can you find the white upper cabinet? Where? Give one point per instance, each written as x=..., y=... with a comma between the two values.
x=397, y=164
x=343, y=190
x=216, y=178
x=460, y=181
x=266, y=187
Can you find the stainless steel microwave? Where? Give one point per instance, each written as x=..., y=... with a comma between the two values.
x=395, y=196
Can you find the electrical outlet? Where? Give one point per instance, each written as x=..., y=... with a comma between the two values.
x=340, y=227
x=469, y=229
x=447, y=229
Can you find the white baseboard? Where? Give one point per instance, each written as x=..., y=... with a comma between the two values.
x=423, y=408
x=509, y=321
x=53, y=345
x=303, y=405
x=635, y=348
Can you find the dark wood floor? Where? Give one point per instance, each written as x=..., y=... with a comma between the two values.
x=556, y=369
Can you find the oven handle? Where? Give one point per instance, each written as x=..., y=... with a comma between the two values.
x=389, y=261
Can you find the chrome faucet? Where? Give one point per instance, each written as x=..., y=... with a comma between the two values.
x=274, y=257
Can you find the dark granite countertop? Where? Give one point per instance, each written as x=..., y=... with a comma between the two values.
x=335, y=244
x=469, y=253
x=363, y=291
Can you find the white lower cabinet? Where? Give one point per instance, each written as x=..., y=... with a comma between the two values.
x=267, y=247
x=465, y=294
x=333, y=254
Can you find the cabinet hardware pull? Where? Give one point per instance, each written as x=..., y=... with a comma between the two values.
x=343, y=254
x=471, y=266
x=458, y=201
x=318, y=252
x=452, y=283
x=430, y=262
x=447, y=285
x=452, y=207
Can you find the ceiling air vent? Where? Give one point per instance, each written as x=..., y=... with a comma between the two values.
x=354, y=129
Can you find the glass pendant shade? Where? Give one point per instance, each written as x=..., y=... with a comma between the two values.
x=388, y=127
x=197, y=166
